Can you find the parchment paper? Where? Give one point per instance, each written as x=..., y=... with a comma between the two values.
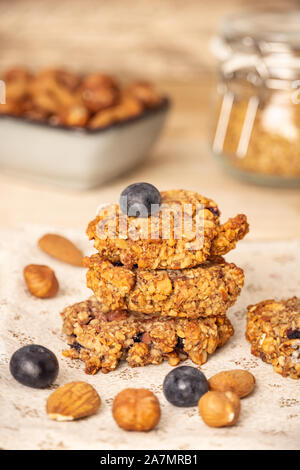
x=270, y=417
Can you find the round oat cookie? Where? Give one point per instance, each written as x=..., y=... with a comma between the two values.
x=184, y=233
x=207, y=290
x=273, y=329
x=102, y=339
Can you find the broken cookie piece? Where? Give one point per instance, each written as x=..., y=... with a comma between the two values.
x=273, y=329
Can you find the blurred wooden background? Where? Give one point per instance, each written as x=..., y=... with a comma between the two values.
x=155, y=38
x=167, y=41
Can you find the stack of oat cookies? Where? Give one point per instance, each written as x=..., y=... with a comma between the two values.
x=161, y=287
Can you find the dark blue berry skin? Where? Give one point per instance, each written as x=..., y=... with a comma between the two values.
x=184, y=386
x=138, y=199
x=34, y=366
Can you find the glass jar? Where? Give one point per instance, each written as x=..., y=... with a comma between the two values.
x=257, y=131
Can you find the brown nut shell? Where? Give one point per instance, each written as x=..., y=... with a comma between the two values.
x=72, y=401
x=136, y=409
x=219, y=409
x=238, y=381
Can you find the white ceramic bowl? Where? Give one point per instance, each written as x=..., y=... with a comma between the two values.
x=77, y=158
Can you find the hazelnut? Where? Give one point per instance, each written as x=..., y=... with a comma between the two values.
x=136, y=409
x=218, y=409
x=41, y=280
x=238, y=381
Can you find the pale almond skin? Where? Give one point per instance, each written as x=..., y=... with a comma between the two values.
x=61, y=248
x=74, y=400
x=219, y=409
x=136, y=409
x=41, y=280
x=238, y=381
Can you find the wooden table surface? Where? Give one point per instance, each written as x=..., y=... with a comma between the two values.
x=181, y=159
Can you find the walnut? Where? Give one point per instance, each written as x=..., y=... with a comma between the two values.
x=136, y=409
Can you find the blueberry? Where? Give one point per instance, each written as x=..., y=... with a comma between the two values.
x=180, y=343
x=293, y=334
x=184, y=386
x=214, y=210
x=138, y=338
x=34, y=366
x=140, y=200
x=76, y=346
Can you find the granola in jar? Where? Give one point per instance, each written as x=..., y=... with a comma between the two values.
x=257, y=132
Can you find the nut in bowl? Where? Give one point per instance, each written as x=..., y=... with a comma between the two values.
x=77, y=131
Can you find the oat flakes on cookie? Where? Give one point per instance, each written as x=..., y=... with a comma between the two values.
x=102, y=339
x=184, y=232
x=273, y=329
x=207, y=290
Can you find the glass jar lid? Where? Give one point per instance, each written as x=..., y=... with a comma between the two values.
x=267, y=41
x=279, y=28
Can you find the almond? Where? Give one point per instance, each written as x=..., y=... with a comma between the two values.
x=41, y=280
x=72, y=401
x=61, y=248
x=238, y=381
